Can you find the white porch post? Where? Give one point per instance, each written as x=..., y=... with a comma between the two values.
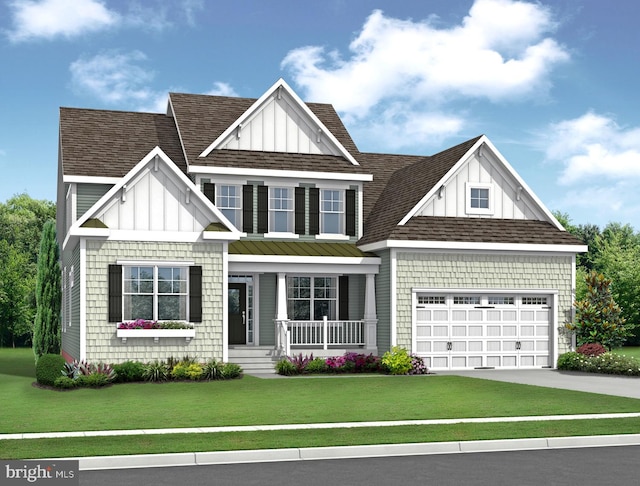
x=282, y=340
x=370, y=314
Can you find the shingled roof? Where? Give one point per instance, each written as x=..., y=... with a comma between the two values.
x=201, y=119
x=482, y=230
x=103, y=143
x=405, y=188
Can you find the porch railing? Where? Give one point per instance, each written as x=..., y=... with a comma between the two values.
x=322, y=333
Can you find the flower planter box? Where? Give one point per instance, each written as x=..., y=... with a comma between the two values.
x=156, y=334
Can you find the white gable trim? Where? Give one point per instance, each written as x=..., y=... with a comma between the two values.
x=295, y=174
x=475, y=246
x=280, y=84
x=76, y=228
x=484, y=140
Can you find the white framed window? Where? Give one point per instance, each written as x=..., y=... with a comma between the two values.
x=155, y=293
x=479, y=198
x=312, y=298
x=280, y=210
x=229, y=201
x=331, y=211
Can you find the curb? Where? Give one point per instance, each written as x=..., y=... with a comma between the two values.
x=349, y=452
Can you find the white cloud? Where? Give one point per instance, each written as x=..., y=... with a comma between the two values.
x=593, y=146
x=59, y=18
x=498, y=52
x=114, y=78
x=222, y=89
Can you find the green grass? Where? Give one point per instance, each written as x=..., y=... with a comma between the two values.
x=633, y=351
x=297, y=400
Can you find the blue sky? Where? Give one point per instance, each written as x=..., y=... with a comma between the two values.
x=552, y=83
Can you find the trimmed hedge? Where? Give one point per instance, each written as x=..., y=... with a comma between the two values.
x=49, y=368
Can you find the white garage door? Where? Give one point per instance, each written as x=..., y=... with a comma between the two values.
x=454, y=331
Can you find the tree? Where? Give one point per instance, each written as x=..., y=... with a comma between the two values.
x=46, y=329
x=21, y=222
x=598, y=317
x=15, y=289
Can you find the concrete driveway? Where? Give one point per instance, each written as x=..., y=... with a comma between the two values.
x=623, y=386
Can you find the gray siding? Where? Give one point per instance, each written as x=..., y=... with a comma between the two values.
x=356, y=296
x=71, y=336
x=383, y=302
x=268, y=284
x=87, y=195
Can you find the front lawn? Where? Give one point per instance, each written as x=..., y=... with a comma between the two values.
x=278, y=401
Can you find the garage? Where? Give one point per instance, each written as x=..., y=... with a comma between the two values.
x=483, y=330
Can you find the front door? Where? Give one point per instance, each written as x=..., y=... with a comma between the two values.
x=237, y=313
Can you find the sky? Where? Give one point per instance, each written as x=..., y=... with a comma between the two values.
x=552, y=83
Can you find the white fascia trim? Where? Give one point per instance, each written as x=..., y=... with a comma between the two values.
x=290, y=174
x=225, y=303
x=463, y=245
x=221, y=235
x=287, y=236
x=314, y=260
x=280, y=83
x=302, y=268
x=164, y=236
x=164, y=263
x=467, y=290
x=83, y=299
x=394, y=289
x=91, y=179
x=96, y=232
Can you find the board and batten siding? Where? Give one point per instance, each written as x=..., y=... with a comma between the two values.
x=280, y=126
x=102, y=343
x=509, y=199
x=481, y=271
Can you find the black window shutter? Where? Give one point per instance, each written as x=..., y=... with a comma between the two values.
x=247, y=209
x=263, y=209
x=299, y=210
x=314, y=211
x=209, y=190
x=350, y=208
x=195, y=294
x=343, y=297
x=115, y=293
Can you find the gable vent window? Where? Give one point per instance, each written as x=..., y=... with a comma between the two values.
x=479, y=198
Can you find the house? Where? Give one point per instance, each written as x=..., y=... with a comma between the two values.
x=260, y=222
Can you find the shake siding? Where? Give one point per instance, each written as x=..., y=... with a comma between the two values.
x=87, y=195
x=102, y=343
x=484, y=271
x=268, y=285
x=383, y=302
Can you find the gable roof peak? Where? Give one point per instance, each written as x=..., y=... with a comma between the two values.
x=279, y=89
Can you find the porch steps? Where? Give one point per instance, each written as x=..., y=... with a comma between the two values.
x=254, y=359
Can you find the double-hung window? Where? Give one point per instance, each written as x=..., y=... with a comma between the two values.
x=331, y=211
x=312, y=298
x=155, y=293
x=281, y=210
x=229, y=201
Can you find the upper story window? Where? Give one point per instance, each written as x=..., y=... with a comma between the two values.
x=228, y=200
x=479, y=198
x=281, y=210
x=331, y=211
